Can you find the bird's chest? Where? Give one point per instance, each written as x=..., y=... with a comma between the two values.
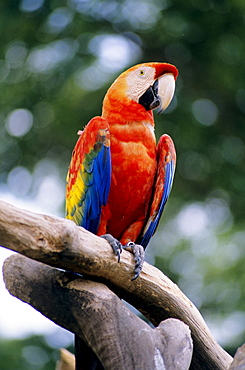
x=133, y=174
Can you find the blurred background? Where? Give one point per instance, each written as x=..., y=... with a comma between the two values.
x=57, y=59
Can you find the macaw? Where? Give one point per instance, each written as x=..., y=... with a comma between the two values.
x=118, y=180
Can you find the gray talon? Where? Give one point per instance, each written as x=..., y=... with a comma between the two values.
x=114, y=243
x=137, y=250
x=139, y=257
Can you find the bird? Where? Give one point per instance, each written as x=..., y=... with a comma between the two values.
x=119, y=179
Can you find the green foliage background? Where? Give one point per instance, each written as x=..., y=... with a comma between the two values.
x=57, y=58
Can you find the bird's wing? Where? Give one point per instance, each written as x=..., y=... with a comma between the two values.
x=89, y=175
x=164, y=179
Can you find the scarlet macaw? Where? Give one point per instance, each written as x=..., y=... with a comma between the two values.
x=119, y=180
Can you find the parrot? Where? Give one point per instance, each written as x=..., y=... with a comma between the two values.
x=119, y=179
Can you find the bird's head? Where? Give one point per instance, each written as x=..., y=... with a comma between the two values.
x=147, y=85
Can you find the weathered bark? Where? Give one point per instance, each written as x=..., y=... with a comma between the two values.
x=67, y=360
x=59, y=242
x=119, y=338
x=239, y=360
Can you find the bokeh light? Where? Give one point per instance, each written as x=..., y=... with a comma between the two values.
x=59, y=20
x=31, y=5
x=205, y=111
x=19, y=181
x=35, y=356
x=16, y=53
x=19, y=122
x=113, y=52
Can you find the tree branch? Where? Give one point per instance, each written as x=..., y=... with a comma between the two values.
x=60, y=243
x=66, y=360
x=119, y=338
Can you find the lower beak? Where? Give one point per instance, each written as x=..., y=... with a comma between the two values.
x=160, y=94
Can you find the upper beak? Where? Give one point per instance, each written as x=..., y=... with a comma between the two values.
x=160, y=94
x=166, y=87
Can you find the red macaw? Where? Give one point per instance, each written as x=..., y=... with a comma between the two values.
x=119, y=180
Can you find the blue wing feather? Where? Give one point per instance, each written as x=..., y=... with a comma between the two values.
x=89, y=176
x=163, y=185
x=97, y=190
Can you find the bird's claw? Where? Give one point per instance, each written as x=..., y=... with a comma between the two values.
x=114, y=243
x=137, y=250
x=139, y=257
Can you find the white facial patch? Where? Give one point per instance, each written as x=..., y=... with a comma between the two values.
x=138, y=82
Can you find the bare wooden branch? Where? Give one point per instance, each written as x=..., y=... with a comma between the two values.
x=59, y=242
x=66, y=360
x=239, y=360
x=119, y=338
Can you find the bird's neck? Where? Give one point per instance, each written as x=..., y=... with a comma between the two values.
x=125, y=111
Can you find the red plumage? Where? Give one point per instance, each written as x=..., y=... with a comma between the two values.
x=119, y=180
x=121, y=145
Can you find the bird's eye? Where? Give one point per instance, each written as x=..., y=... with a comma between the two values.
x=142, y=72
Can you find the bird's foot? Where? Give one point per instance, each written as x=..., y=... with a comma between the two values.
x=137, y=250
x=115, y=244
x=139, y=257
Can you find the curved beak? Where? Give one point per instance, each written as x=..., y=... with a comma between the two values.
x=160, y=94
x=166, y=87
